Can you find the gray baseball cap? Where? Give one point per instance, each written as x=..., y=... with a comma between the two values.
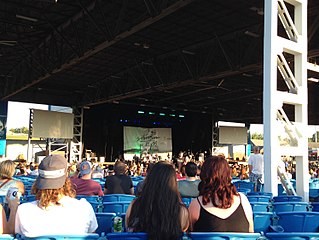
x=52, y=172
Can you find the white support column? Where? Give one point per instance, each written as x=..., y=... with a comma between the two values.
x=301, y=110
x=296, y=80
x=271, y=146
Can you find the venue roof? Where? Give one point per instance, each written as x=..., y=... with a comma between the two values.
x=189, y=55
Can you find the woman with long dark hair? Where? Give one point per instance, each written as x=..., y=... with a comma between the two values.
x=219, y=207
x=158, y=210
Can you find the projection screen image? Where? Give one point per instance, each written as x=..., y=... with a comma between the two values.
x=151, y=140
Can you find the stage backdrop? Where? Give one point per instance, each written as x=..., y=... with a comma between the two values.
x=152, y=140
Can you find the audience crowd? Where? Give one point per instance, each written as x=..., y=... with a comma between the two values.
x=158, y=208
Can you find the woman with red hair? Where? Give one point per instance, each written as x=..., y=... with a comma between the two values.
x=219, y=207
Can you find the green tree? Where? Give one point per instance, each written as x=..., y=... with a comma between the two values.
x=257, y=136
x=23, y=130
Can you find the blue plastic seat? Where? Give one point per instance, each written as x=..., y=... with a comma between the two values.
x=117, y=197
x=261, y=207
x=287, y=198
x=291, y=206
x=89, y=236
x=6, y=237
x=262, y=221
x=260, y=194
x=115, y=207
x=105, y=222
x=259, y=198
x=127, y=236
x=91, y=199
x=243, y=190
x=315, y=206
x=223, y=235
x=244, y=184
x=298, y=221
x=292, y=236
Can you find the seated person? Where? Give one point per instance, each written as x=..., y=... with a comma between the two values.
x=219, y=207
x=119, y=183
x=189, y=187
x=7, y=170
x=158, y=211
x=55, y=210
x=83, y=184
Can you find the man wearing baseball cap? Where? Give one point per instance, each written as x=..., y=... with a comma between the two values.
x=83, y=184
x=55, y=210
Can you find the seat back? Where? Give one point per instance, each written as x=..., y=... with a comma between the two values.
x=262, y=221
x=258, y=198
x=315, y=206
x=299, y=221
x=127, y=236
x=90, y=199
x=115, y=207
x=260, y=194
x=290, y=206
x=261, y=207
x=89, y=236
x=223, y=235
x=117, y=197
x=105, y=222
x=287, y=198
x=292, y=236
x=7, y=237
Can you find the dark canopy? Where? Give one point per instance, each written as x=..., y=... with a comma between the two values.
x=201, y=56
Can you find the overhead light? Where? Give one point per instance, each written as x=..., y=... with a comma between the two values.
x=31, y=19
x=247, y=75
x=188, y=52
x=313, y=79
x=252, y=34
x=113, y=76
x=8, y=43
x=146, y=46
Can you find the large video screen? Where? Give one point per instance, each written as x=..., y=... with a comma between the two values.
x=50, y=124
x=151, y=140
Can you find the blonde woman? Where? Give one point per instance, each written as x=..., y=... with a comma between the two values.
x=7, y=169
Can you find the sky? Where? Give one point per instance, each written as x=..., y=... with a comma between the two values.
x=19, y=114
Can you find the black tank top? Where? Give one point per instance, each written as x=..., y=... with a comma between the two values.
x=236, y=222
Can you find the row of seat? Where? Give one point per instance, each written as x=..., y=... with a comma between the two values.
x=264, y=222
x=281, y=206
x=190, y=236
